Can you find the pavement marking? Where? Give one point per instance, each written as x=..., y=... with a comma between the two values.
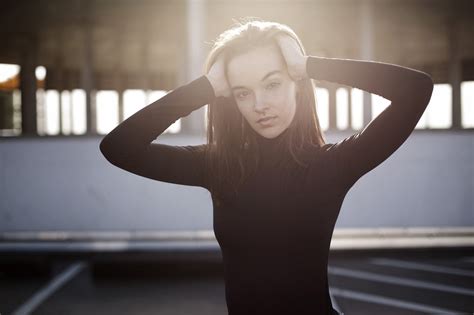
x=40, y=296
x=335, y=305
x=378, y=299
x=365, y=275
x=468, y=259
x=421, y=266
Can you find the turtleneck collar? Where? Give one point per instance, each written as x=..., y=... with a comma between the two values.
x=274, y=146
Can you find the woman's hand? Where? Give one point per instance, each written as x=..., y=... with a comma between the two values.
x=216, y=77
x=295, y=60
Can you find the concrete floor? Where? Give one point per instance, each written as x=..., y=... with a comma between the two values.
x=418, y=282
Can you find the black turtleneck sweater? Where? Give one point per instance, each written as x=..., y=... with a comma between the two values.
x=275, y=235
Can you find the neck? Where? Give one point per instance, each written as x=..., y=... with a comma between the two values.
x=272, y=147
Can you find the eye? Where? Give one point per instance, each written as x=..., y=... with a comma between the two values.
x=273, y=85
x=241, y=95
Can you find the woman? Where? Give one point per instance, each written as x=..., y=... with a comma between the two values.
x=277, y=187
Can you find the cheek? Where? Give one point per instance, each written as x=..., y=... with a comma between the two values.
x=288, y=100
x=245, y=105
x=292, y=97
x=244, y=111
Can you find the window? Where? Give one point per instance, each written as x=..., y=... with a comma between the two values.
x=66, y=116
x=51, y=112
x=10, y=100
x=107, y=110
x=322, y=107
x=438, y=114
x=133, y=101
x=379, y=104
x=342, y=108
x=467, y=104
x=357, y=100
x=78, y=112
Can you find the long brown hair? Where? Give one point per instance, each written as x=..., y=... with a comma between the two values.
x=232, y=153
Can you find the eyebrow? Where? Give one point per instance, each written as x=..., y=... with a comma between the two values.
x=263, y=79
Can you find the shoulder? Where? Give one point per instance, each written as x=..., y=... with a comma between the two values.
x=327, y=147
x=342, y=146
x=323, y=149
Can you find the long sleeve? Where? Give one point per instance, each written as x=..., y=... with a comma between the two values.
x=408, y=90
x=129, y=146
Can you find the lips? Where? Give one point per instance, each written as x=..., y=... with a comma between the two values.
x=265, y=119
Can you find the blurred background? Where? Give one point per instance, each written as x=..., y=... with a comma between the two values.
x=79, y=235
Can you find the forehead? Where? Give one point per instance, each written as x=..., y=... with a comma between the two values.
x=250, y=67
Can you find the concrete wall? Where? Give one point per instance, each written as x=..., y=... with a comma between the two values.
x=64, y=183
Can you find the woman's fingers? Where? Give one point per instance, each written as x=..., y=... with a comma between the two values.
x=295, y=60
x=216, y=76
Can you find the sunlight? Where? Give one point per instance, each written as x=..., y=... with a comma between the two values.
x=322, y=107
x=133, y=101
x=40, y=73
x=78, y=123
x=342, y=108
x=66, y=112
x=357, y=100
x=107, y=111
x=205, y=117
x=379, y=103
x=422, y=123
x=8, y=71
x=467, y=104
x=51, y=112
x=439, y=110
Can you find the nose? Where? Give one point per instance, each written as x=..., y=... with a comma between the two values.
x=260, y=105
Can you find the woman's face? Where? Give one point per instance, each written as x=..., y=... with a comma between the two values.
x=262, y=87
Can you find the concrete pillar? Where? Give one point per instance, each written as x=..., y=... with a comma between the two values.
x=120, y=104
x=195, y=15
x=332, y=106
x=455, y=68
x=349, y=109
x=145, y=55
x=366, y=48
x=61, y=78
x=71, y=113
x=28, y=89
x=60, y=112
x=87, y=81
x=119, y=84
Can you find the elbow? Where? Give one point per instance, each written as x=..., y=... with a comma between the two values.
x=424, y=88
x=427, y=81
x=428, y=86
x=114, y=153
x=103, y=146
x=106, y=148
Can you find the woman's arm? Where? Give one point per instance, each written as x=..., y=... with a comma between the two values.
x=408, y=90
x=129, y=146
x=393, y=82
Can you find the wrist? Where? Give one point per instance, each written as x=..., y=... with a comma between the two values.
x=219, y=88
x=306, y=66
x=213, y=84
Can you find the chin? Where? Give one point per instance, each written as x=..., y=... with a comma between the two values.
x=270, y=133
